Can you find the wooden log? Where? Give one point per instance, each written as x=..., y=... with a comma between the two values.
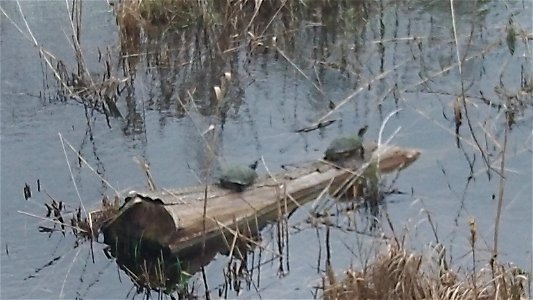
x=176, y=220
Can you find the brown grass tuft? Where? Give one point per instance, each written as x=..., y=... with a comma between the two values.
x=401, y=274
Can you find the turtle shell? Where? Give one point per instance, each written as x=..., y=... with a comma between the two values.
x=344, y=147
x=237, y=177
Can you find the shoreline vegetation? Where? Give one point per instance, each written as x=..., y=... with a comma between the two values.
x=399, y=272
x=203, y=37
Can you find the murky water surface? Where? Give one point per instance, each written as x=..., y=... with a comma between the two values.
x=413, y=69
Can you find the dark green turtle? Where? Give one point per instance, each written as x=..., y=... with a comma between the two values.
x=238, y=177
x=346, y=146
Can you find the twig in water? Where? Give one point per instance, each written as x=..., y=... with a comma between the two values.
x=146, y=170
x=73, y=180
x=501, y=188
x=463, y=97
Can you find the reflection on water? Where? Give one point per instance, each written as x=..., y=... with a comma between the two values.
x=149, y=91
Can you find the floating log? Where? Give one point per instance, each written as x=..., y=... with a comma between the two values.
x=186, y=220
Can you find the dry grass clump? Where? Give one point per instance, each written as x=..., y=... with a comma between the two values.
x=97, y=91
x=159, y=12
x=401, y=274
x=236, y=20
x=188, y=44
x=97, y=219
x=182, y=13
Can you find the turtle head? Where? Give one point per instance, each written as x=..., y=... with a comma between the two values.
x=362, y=131
x=253, y=166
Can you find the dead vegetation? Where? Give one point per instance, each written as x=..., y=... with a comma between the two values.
x=398, y=273
x=97, y=92
x=189, y=45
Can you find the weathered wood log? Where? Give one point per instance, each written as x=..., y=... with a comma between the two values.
x=176, y=219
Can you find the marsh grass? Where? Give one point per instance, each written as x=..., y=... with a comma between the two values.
x=189, y=44
x=399, y=273
x=158, y=13
x=97, y=92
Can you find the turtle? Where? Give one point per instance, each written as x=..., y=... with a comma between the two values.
x=238, y=177
x=346, y=146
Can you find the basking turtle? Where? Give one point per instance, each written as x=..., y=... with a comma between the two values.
x=346, y=146
x=238, y=177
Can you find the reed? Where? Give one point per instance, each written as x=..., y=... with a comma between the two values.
x=400, y=273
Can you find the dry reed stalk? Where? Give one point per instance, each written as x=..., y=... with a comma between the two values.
x=398, y=273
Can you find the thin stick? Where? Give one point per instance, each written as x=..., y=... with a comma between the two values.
x=89, y=166
x=463, y=97
x=72, y=177
x=357, y=91
x=76, y=44
x=380, y=134
x=500, y=196
x=301, y=72
x=68, y=272
x=291, y=198
x=456, y=42
x=51, y=220
x=45, y=54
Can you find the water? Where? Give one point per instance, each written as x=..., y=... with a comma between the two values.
x=270, y=100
